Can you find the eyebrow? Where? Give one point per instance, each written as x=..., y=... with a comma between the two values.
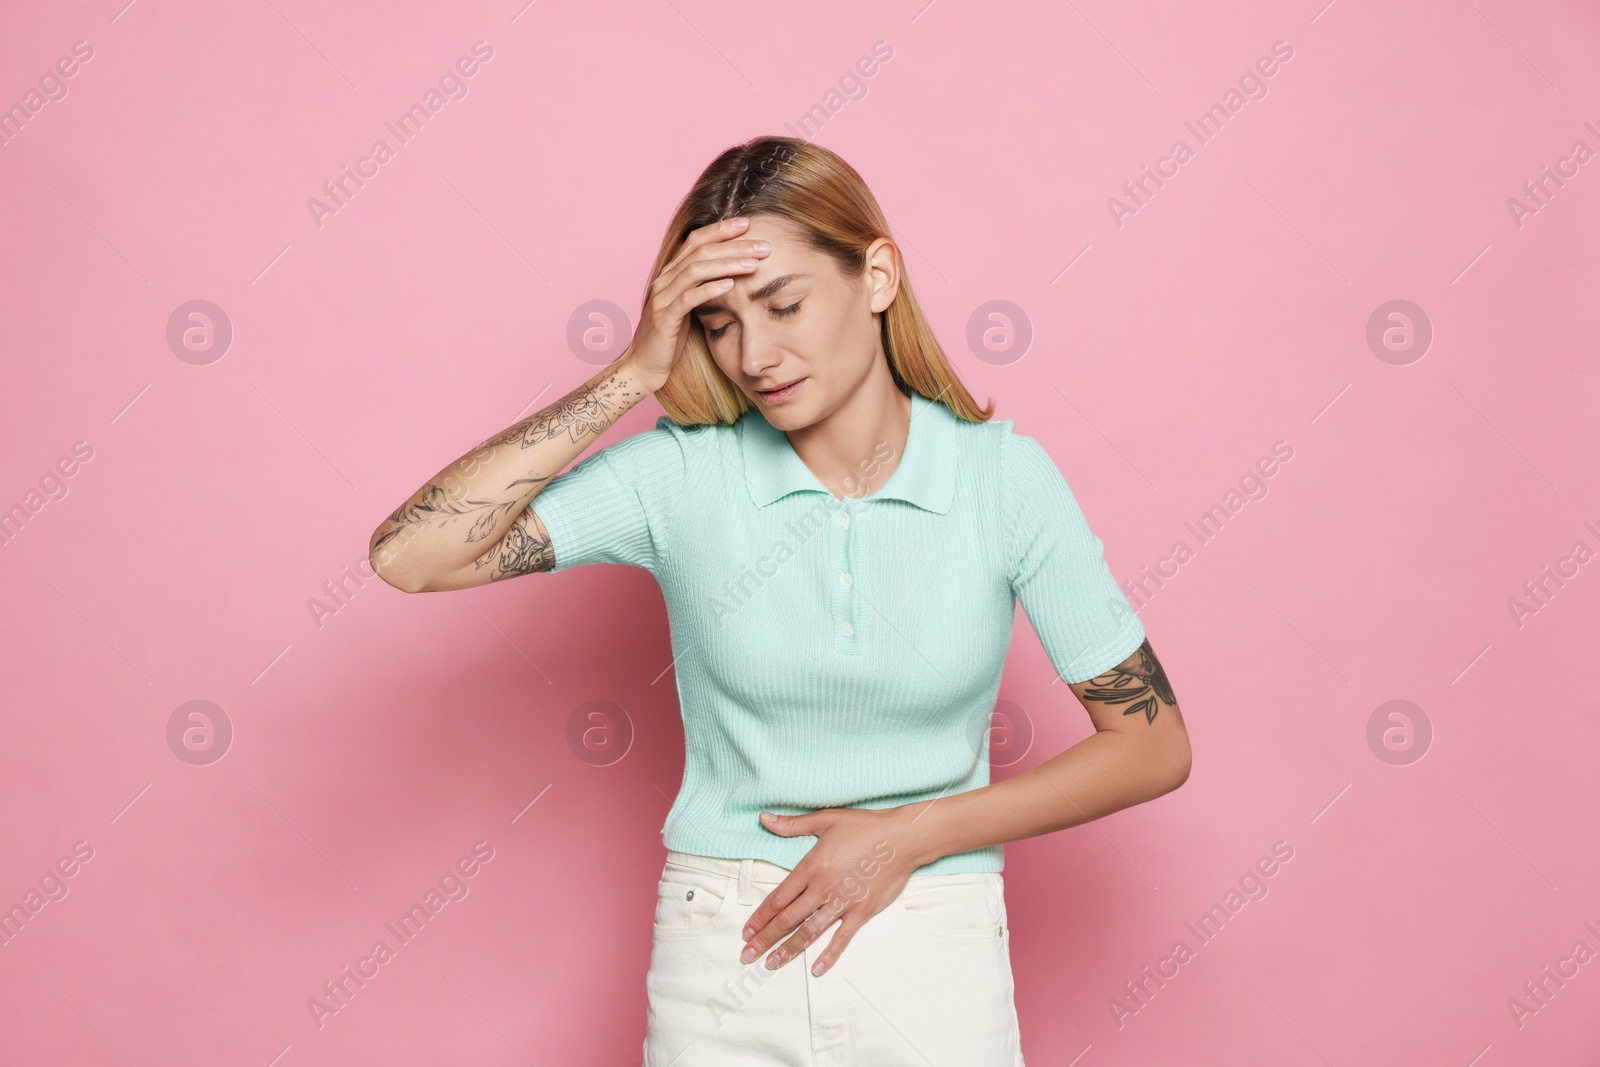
x=760, y=294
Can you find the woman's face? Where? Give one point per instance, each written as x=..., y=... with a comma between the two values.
x=796, y=319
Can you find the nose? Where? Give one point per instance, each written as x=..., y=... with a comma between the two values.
x=756, y=353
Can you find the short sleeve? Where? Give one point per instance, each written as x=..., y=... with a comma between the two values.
x=618, y=505
x=1058, y=568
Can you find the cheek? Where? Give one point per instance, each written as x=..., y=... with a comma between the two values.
x=821, y=327
x=725, y=355
x=851, y=338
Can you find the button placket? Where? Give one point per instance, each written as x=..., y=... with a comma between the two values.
x=846, y=632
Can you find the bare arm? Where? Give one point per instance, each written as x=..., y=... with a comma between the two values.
x=472, y=523
x=1139, y=751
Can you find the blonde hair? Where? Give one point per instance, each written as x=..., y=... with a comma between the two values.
x=824, y=196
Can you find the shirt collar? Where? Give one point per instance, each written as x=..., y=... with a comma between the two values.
x=925, y=475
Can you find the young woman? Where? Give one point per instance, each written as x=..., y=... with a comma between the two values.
x=841, y=535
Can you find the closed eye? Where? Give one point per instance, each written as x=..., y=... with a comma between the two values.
x=712, y=335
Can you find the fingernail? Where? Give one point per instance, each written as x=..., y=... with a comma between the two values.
x=773, y=961
x=749, y=932
x=748, y=954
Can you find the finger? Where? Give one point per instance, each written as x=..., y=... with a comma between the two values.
x=734, y=246
x=738, y=258
x=761, y=930
x=698, y=295
x=716, y=231
x=812, y=928
x=852, y=922
x=699, y=270
x=674, y=298
x=677, y=303
x=784, y=923
x=712, y=241
x=807, y=918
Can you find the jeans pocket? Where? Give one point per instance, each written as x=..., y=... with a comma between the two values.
x=956, y=907
x=689, y=899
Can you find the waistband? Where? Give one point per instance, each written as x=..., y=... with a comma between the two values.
x=750, y=872
x=753, y=870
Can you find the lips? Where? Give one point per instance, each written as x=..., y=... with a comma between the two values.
x=783, y=392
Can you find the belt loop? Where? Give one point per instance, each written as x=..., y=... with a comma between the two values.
x=746, y=892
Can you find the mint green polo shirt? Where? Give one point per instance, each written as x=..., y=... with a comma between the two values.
x=841, y=652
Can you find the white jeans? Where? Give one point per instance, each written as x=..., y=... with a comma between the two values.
x=927, y=980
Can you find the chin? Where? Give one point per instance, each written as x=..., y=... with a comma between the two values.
x=785, y=418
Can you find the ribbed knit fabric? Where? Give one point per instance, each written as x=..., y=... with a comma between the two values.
x=841, y=652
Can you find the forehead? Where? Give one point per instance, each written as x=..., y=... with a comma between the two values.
x=790, y=251
x=773, y=228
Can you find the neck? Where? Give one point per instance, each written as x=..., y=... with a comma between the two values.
x=846, y=449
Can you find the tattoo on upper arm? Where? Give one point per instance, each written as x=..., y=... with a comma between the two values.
x=1138, y=681
x=523, y=550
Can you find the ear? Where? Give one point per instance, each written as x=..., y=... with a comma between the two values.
x=883, y=273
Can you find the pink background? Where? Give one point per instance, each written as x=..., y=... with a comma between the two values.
x=374, y=746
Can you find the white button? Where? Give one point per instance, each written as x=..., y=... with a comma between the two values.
x=847, y=629
x=844, y=579
x=844, y=520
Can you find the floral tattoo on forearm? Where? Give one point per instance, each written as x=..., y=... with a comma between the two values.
x=580, y=413
x=585, y=412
